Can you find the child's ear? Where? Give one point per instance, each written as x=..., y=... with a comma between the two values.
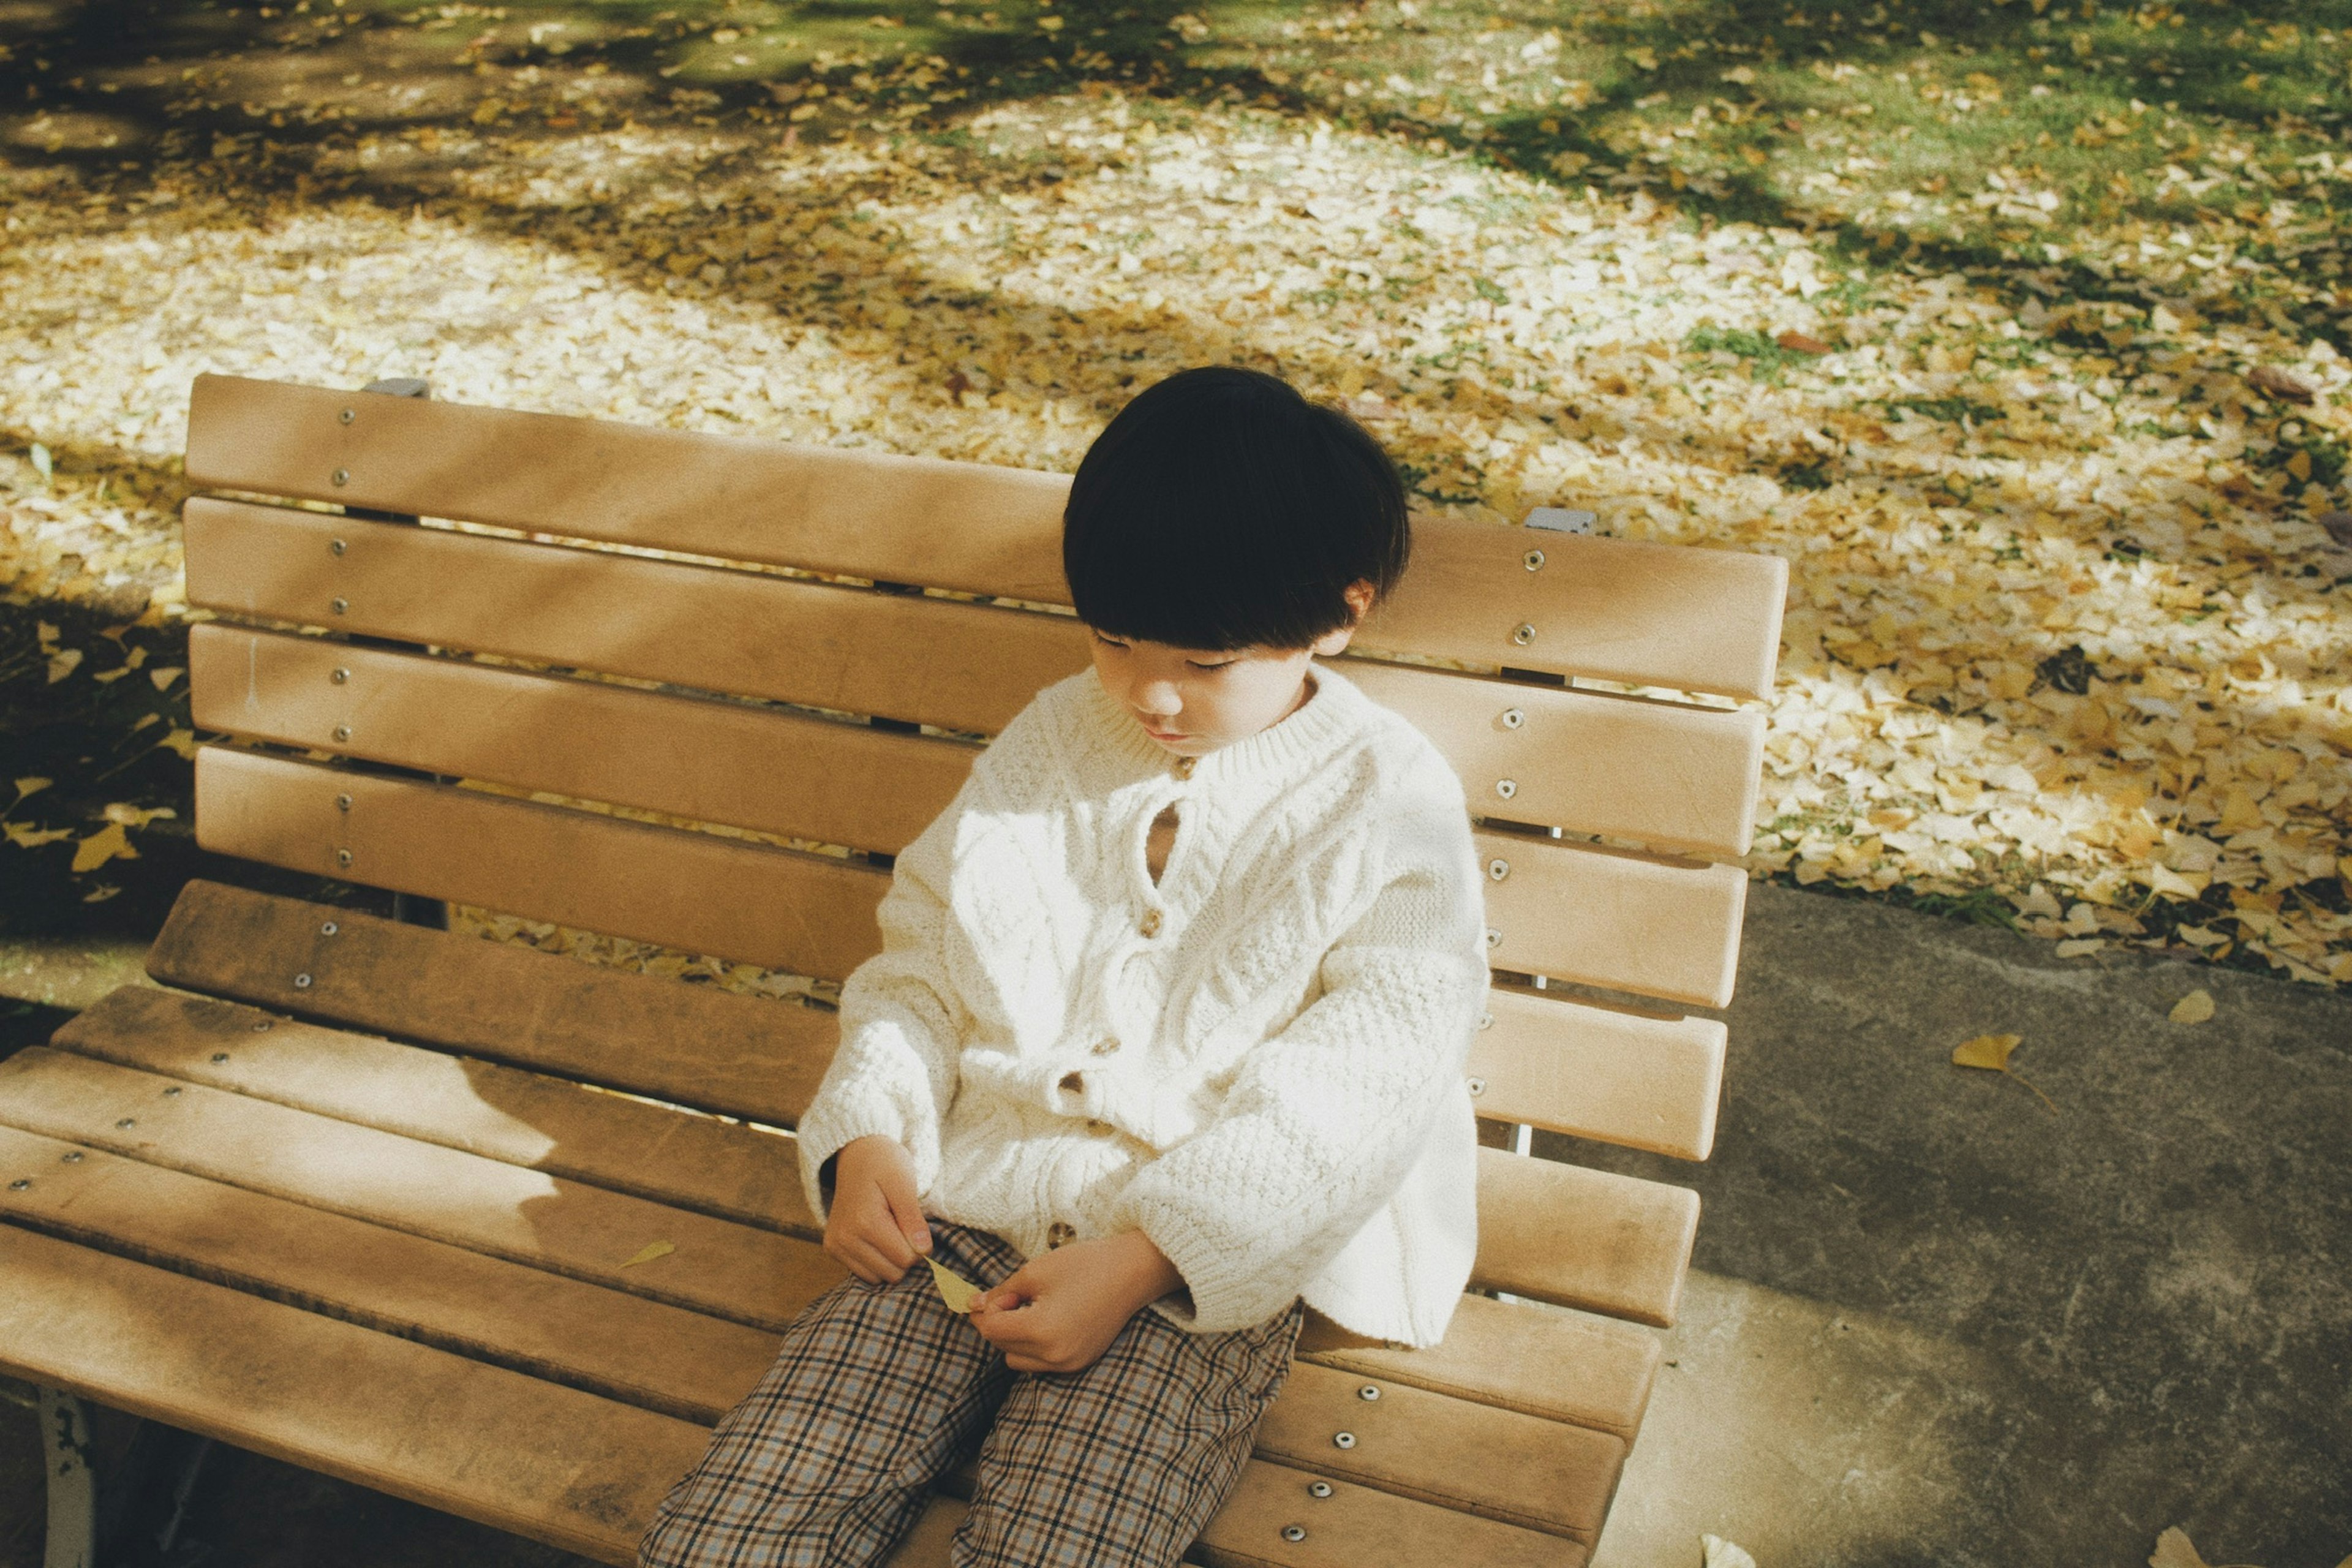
x=1359, y=594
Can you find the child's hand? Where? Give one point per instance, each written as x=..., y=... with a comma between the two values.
x=877, y=1223
x=1059, y=1312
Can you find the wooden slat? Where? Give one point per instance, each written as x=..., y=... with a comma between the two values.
x=1674, y=777
x=1592, y=1071
x=1610, y=1244
x=1649, y=615
x=1415, y=1444
x=609, y=1342
x=501, y=1448
x=769, y=770
x=1559, y=1364
x=1631, y=1238
x=1637, y=1079
x=1603, y=918
x=482, y=1204
x=1628, y=922
x=696, y=1045
x=1669, y=776
x=969, y=526
x=700, y=1162
x=1552, y=1361
x=727, y=898
x=1420, y=1444
x=1699, y=620
x=741, y=633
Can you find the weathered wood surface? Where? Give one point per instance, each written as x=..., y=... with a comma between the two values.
x=1694, y=619
x=1675, y=778
x=1598, y=1072
x=1613, y=1244
x=532, y=1457
x=1497, y=1462
x=1628, y=922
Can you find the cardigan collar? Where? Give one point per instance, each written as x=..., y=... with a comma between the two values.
x=1286, y=749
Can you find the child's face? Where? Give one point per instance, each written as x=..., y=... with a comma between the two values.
x=1191, y=701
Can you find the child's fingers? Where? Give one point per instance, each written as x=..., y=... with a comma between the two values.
x=906, y=1211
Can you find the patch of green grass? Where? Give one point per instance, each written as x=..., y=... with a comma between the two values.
x=1766, y=359
x=1950, y=410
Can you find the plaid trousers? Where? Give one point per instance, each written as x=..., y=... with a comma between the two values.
x=879, y=1390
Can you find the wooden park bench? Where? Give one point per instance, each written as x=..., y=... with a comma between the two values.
x=392, y=1203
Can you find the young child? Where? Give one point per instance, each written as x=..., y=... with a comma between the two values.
x=1165, y=1042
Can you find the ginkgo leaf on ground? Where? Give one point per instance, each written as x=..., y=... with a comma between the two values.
x=2193, y=1008
x=1988, y=1051
x=650, y=1251
x=1991, y=1053
x=107, y=844
x=27, y=786
x=2173, y=1549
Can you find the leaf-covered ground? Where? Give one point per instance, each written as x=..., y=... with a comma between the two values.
x=2013, y=330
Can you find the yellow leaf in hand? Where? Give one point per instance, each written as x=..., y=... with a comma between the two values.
x=956, y=1290
x=107, y=844
x=650, y=1251
x=1988, y=1051
x=2193, y=1008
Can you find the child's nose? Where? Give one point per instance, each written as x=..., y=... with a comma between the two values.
x=1159, y=699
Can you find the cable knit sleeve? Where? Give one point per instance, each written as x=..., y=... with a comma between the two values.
x=1325, y=1118
x=895, y=1071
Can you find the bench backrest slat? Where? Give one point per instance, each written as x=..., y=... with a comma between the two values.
x=1698, y=620
x=1628, y=922
x=1676, y=778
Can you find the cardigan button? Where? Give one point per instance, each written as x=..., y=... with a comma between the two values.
x=1060, y=1234
x=1184, y=766
x=1150, y=926
x=1104, y=1047
x=1074, y=1083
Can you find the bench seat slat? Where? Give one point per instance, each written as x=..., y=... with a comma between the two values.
x=710, y=1166
x=741, y=1056
x=501, y=1448
x=1495, y=1462
x=1630, y=923
x=609, y=1342
x=1695, y=619
x=1567, y=1065
x=533, y=1457
x=505, y=1211
x=1611, y=1244
x=1673, y=778
x=1647, y=1081
x=1559, y=1365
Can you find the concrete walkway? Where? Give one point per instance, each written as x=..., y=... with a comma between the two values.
x=1933, y=1321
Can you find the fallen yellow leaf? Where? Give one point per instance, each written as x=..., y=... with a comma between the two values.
x=2173, y=1549
x=650, y=1251
x=956, y=1290
x=107, y=844
x=183, y=742
x=32, y=787
x=1988, y=1051
x=25, y=836
x=2193, y=1008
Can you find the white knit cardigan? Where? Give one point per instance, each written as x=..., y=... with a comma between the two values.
x=1258, y=1061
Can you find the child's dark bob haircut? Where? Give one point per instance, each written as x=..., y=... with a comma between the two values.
x=1222, y=510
